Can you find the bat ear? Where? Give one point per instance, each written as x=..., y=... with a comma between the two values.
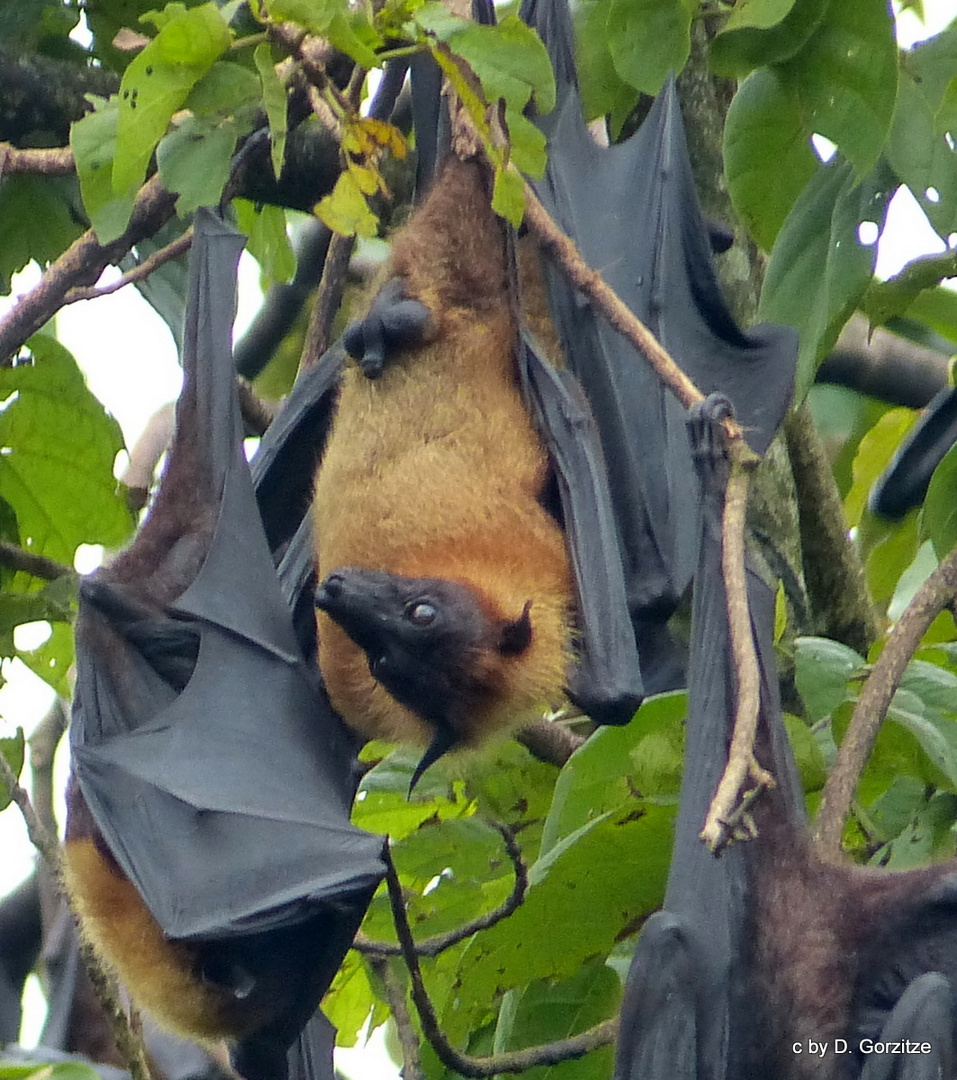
x=517, y=636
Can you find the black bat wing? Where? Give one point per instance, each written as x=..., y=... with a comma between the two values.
x=705, y=911
x=904, y=483
x=633, y=212
x=918, y=1035
x=226, y=799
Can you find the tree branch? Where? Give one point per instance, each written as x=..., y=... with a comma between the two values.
x=937, y=592
x=742, y=459
x=466, y=1065
x=81, y=264
x=718, y=828
x=434, y=945
x=549, y=742
x=139, y=272
x=394, y=993
x=55, y=162
x=39, y=566
x=835, y=579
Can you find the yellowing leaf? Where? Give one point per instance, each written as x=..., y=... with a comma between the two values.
x=345, y=209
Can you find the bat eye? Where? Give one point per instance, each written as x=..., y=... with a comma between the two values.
x=421, y=613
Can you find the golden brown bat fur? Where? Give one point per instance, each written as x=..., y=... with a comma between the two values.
x=435, y=470
x=159, y=972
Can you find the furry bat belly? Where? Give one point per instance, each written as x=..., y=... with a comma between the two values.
x=447, y=593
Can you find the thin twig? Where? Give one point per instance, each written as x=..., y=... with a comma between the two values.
x=515, y=1061
x=434, y=945
x=139, y=273
x=741, y=761
x=589, y=282
x=394, y=993
x=15, y=557
x=930, y=600
x=328, y=299
x=127, y=1042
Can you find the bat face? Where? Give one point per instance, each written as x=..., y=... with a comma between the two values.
x=424, y=637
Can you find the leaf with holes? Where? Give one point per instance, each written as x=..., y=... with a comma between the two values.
x=819, y=268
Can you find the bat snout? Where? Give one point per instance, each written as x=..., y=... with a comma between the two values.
x=329, y=591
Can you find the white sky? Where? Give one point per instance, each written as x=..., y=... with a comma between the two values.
x=130, y=362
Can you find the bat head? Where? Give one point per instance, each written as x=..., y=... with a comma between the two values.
x=432, y=643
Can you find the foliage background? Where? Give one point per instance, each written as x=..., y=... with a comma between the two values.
x=596, y=834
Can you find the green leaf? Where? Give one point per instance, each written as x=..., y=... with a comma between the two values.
x=348, y=30
x=605, y=773
x=888, y=299
x=508, y=196
x=874, y=454
x=527, y=145
x=274, y=102
x=36, y=222
x=350, y=999
x=345, y=209
x=12, y=750
x=888, y=556
x=510, y=61
x=768, y=159
x=906, y=711
x=764, y=32
x=44, y=1070
x=937, y=308
x=226, y=89
x=822, y=669
x=649, y=38
x=922, y=157
x=939, y=515
x=51, y=661
x=602, y=88
x=845, y=79
x=25, y=25
x=158, y=81
x=932, y=64
x=819, y=268
x=601, y=881
x=383, y=804
x=194, y=161
x=759, y=14
x=807, y=754
x=268, y=240
x=545, y=1012
x=928, y=837
x=55, y=602
x=57, y=441
x=93, y=141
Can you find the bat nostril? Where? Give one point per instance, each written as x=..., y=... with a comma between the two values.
x=333, y=585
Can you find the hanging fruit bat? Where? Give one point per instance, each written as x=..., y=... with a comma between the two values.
x=524, y=531
x=767, y=961
x=208, y=844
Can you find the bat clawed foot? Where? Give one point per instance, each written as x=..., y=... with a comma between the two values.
x=394, y=322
